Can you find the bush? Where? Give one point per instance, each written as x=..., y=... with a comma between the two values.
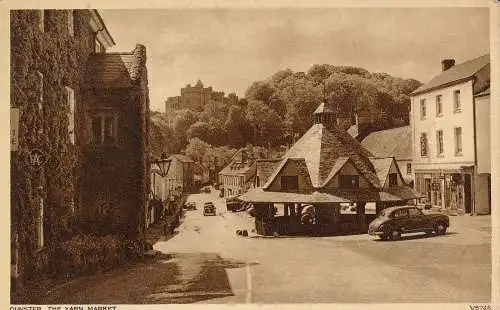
x=84, y=254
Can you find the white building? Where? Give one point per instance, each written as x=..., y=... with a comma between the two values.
x=451, y=146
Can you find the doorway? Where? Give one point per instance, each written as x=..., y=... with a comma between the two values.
x=428, y=190
x=467, y=193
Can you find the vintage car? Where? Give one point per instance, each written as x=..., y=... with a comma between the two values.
x=190, y=205
x=209, y=209
x=396, y=221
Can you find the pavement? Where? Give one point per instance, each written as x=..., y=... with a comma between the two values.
x=206, y=262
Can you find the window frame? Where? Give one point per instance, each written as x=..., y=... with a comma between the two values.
x=285, y=182
x=71, y=23
x=417, y=210
x=71, y=102
x=101, y=116
x=343, y=178
x=440, y=142
x=457, y=105
x=439, y=106
x=426, y=146
x=393, y=179
x=404, y=213
x=458, y=141
x=423, y=109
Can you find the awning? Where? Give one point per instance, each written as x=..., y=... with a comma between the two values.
x=257, y=195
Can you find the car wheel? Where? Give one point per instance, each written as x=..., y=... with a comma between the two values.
x=394, y=235
x=440, y=228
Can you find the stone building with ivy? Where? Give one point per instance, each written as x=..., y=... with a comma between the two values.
x=82, y=138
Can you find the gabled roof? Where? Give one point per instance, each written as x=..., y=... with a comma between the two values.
x=396, y=142
x=382, y=167
x=257, y=195
x=320, y=148
x=455, y=74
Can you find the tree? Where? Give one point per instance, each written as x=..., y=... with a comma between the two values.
x=200, y=130
x=265, y=124
x=196, y=149
x=234, y=126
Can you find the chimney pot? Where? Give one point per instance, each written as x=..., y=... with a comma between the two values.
x=447, y=64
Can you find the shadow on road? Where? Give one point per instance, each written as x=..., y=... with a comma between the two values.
x=166, y=278
x=419, y=236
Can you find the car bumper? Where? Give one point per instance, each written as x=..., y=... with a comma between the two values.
x=375, y=233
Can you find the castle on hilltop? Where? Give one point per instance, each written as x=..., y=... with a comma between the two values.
x=193, y=98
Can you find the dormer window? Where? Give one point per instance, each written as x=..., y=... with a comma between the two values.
x=289, y=182
x=349, y=181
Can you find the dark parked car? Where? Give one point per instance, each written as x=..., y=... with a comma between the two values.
x=209, y=209
x=191, y=205
x=395, y=221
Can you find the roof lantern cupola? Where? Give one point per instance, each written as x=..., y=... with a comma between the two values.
x=325, y=115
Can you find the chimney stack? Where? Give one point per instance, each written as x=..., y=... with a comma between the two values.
x=447, y=64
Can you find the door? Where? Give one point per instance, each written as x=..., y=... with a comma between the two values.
x=467, y=193
x=417, y=220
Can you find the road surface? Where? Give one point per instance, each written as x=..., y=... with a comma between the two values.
x=207, y=262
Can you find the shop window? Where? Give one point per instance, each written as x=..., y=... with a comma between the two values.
x=289, y=182
x=393, y=179
x=349, y=181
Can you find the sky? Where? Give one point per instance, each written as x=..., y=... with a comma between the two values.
x=230, y=48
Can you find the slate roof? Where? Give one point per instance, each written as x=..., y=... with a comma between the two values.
x=265, y=168
x=382, y=167
x=396, y=142
x=455, y=74
x=320, y=148
x=116, y=70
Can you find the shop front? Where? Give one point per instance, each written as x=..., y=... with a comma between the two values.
x=450, y=190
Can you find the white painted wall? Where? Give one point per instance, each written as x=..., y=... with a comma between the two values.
x=447, y=122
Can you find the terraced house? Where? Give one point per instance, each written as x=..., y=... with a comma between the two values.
x=451, y=137
x=82, y=142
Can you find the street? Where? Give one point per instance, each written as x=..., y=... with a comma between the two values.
x=207, y=262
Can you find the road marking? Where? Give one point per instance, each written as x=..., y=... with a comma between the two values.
x=248, y=297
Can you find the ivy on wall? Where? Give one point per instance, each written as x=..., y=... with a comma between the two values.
x=61, y=59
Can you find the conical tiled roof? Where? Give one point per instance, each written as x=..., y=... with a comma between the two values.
x=321, y=148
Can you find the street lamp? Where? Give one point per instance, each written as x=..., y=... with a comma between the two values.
x=163, y=164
